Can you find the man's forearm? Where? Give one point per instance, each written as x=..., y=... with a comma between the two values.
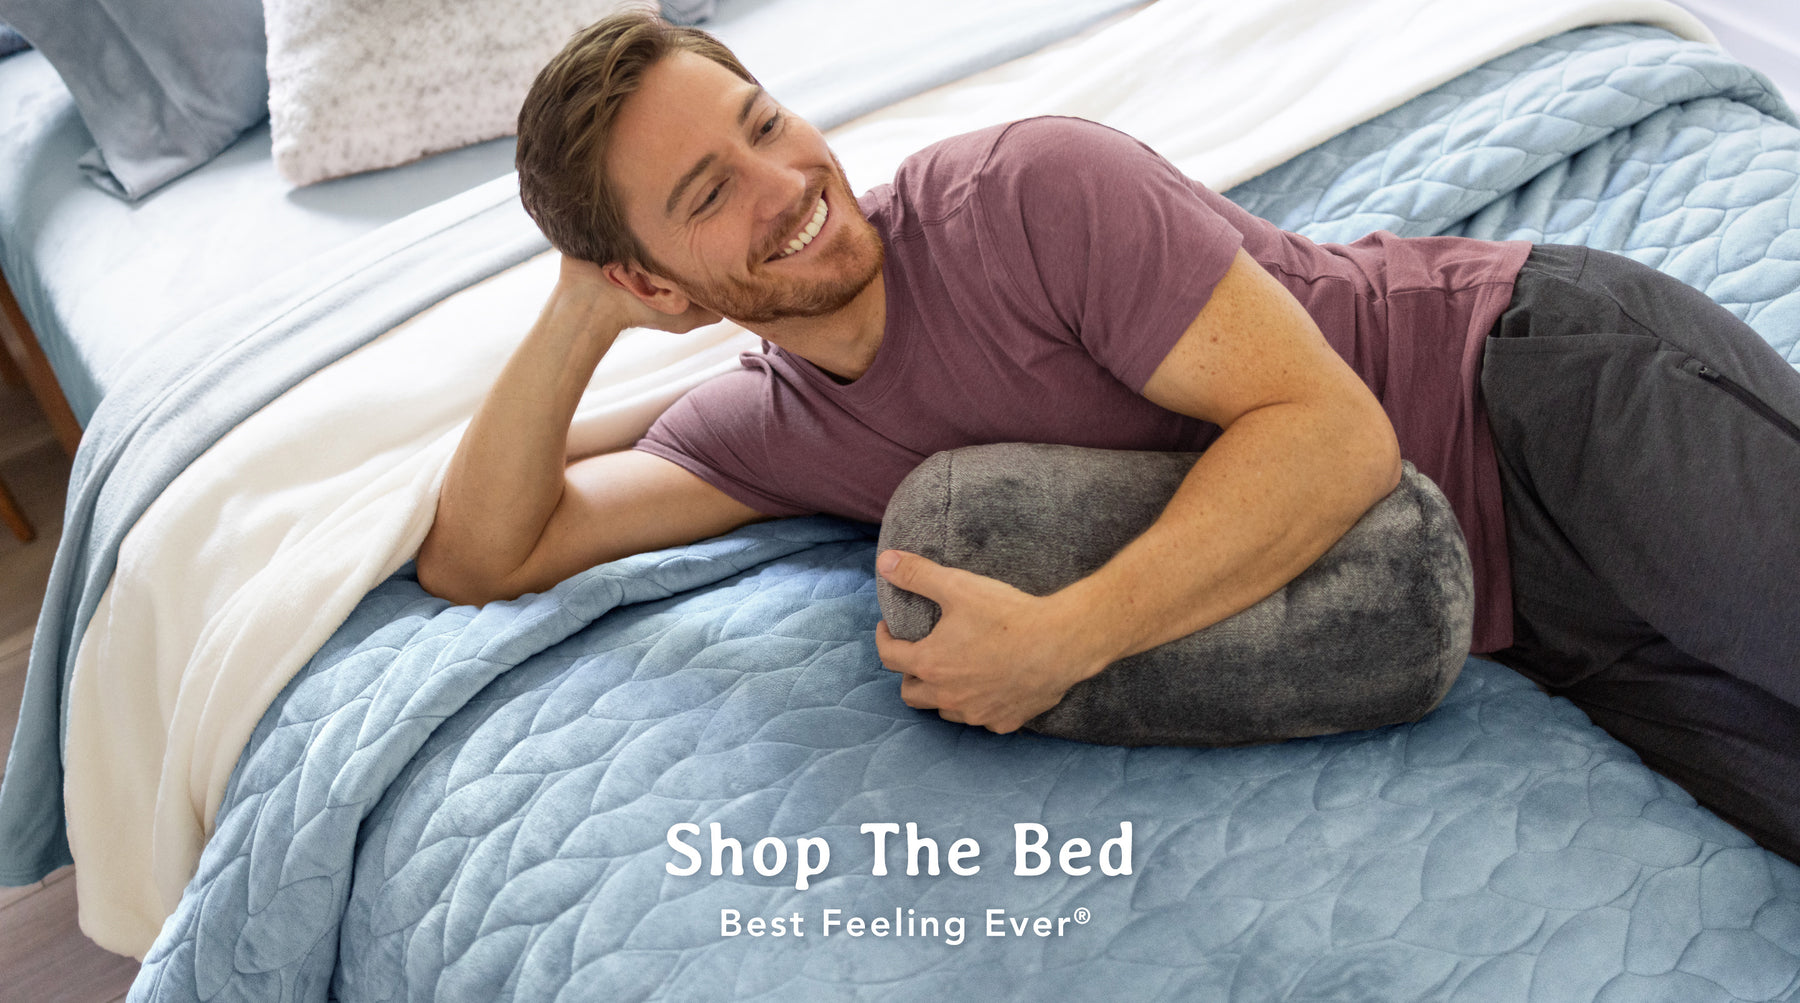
x=508, y=474
x=1264, y=502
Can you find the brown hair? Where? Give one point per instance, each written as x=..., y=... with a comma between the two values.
x=567, y=119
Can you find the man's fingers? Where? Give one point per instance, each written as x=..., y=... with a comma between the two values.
x=899, y=656
x=917, y=693
x=893, y=652
x=918, y=574
x=921, y=695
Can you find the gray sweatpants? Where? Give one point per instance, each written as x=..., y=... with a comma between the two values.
x=1649, y=447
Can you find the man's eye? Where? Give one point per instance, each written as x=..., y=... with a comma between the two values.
x=711, y=197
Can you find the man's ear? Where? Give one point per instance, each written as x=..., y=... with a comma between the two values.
x=653, y=290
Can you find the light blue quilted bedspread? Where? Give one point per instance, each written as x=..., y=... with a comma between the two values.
x=475, y=804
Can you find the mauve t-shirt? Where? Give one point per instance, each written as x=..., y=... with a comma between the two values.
x=1037, y=273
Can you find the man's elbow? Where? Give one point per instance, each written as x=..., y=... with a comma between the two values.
x=447, y=578
x=1388, y=466
x=1377, y=450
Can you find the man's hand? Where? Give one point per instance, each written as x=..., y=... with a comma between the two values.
x=997, y=658
x=587, y=279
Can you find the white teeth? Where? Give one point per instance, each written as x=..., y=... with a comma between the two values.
x=808, y=232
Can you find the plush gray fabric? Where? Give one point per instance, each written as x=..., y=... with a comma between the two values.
x=1372, y=634
x=163, y=85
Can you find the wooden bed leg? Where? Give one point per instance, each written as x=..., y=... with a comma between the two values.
x=9, y=370
x=14, y=517
x=27, y=358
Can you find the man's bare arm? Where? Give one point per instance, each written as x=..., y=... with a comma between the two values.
x=1306, y=449
x=513, y=516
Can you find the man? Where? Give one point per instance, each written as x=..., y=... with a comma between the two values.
x=1053, y=280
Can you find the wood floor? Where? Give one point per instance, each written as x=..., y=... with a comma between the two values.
x=43, y=956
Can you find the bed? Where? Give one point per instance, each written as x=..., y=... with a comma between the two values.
x=288, y=772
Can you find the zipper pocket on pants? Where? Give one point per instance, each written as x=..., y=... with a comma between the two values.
x=1749, y=400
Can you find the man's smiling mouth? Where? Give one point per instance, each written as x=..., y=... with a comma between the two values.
x=805, y=234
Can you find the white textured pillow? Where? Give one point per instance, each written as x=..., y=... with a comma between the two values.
x=355, y=85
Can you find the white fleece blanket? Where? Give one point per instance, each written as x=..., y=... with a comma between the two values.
x=255, y=554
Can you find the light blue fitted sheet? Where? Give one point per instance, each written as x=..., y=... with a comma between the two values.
x=102, y=280
x=460, y=803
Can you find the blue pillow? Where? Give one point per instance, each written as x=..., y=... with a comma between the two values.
x=11, y=41
x=163, y=85
x=687, y=11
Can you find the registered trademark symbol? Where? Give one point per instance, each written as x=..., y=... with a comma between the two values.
x=1082, y=915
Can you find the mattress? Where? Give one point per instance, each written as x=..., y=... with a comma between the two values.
x=519, y=801
x=99, y=279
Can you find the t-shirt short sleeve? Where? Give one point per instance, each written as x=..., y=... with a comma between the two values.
x=718, y=432
x=1100, y=230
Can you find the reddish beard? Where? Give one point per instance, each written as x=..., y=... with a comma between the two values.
x=851, y=262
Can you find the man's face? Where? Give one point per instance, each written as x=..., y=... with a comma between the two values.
x=720, y=183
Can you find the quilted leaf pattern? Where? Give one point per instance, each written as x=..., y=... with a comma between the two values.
x=461, y=804
x=333, y=741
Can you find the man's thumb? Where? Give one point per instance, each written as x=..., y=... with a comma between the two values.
x=913, y=573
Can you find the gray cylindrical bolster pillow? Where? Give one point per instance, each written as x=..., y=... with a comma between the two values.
x=1372, y=634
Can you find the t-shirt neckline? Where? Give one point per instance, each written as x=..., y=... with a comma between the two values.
x=889, y=359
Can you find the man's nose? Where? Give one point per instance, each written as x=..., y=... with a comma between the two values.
x=779, y=186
